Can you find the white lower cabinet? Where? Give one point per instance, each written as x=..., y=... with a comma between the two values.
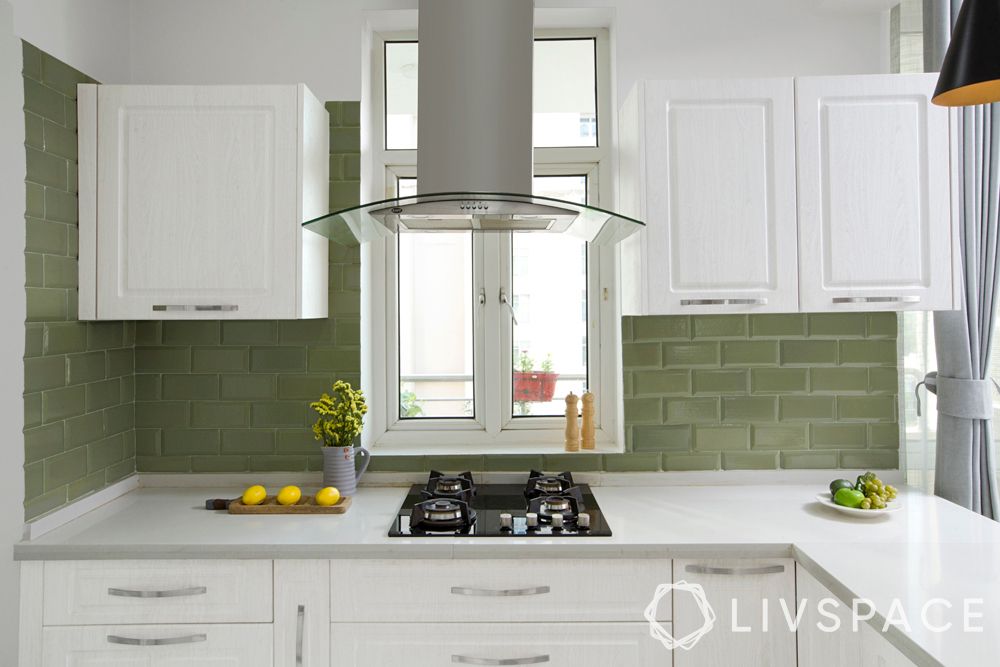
x=748, y=598
x=826, y=635
x=241, y=645
x=876, y=651
x=552, y=644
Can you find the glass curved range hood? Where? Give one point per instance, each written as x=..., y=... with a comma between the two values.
x=476, y=212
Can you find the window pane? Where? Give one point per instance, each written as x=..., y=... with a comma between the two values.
x=565, y=93
x=400, y=95
x=549, y=285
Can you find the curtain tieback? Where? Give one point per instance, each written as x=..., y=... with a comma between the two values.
x=957, y=397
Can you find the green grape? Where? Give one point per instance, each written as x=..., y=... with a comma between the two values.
x=866, y=504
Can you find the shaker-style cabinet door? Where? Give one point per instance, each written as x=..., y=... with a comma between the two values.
x=874, y=194
x=720, y=196
x=192, y=199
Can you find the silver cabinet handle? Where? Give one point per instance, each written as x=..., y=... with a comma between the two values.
x=175, y=593
x=876, y=299
x=531, y=660
x=724, y=302
x=184, y=309
x=499, y=593
x=707, y=569
x=299, y=631
x=166, y=641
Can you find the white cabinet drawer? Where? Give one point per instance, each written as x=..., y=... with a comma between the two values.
x=549, y=644
x=496, y=590
x=98, y=592
x=157, y=646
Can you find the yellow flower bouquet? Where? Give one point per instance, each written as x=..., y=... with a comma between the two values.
x=341, y=415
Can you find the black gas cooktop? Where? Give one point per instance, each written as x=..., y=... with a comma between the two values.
x=544, y=506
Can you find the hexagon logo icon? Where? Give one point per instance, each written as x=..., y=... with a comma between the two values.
x=688, y=641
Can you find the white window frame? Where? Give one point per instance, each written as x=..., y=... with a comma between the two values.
x=492, y=430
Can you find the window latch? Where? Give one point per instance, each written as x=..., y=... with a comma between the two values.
x=505, y=300
x=482, y=296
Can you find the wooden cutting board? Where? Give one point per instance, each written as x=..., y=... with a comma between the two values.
x=306, y=505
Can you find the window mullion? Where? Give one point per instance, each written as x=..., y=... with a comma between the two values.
x=505, y=334
x=488, y=400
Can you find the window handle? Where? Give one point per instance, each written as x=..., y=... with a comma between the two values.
x=482, y=296
x=505, y=300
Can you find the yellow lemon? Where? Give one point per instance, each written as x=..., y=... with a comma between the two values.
x=327, y=496
x=289, y=495
x=254, y=495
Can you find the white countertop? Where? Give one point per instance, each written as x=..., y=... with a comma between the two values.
x=930, y=549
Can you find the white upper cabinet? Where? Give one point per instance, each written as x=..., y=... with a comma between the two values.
x=875, y=223
x=714, y=164
x=192, y=199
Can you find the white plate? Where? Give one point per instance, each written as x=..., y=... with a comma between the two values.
x=890, y=507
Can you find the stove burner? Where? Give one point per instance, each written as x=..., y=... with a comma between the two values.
x=540, y=484
x=457, y=487
x=569, y=504
x=442, y=515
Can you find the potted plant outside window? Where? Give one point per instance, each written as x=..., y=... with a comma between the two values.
x=534, y=386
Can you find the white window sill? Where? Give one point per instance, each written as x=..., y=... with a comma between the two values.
x=465, y=449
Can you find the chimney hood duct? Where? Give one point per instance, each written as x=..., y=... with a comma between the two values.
x=474, y=161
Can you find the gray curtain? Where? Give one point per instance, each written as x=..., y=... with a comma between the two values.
x=965, y=470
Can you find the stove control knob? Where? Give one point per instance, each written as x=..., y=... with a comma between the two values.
x=557, y=521
x=531, y=520
x=506, y=521
x=583, y=521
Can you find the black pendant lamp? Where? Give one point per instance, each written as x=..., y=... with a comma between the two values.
x=970, y=73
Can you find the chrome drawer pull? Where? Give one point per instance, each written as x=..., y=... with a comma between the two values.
x=134, y=641
x=176, y=593
x=299, y=630
x=185, y=309
x=707, y=569
x=724, y=302
x=531, y=660
x=500, y=593
x=876, y=299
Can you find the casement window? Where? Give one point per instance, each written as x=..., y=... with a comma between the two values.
x=475, y=339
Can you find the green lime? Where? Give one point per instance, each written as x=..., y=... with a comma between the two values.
x=848, y=497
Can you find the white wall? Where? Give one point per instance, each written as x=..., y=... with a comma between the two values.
x=319, y=41
x=12, y=165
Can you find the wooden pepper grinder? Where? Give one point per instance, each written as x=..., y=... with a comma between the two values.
x=572, y=427
x=589, y=434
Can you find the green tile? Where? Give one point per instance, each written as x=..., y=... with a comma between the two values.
x=809, y=460
x=777, y=326
x=333, y=110
x=296, y=332
x=147, y=441
x=777, y=380
x=347, y=331
x=63, y=468
x=692, y=411
x=808, y=352
x=181, y=332
x=806, y=407
x=148, y=333
x=344, y=140
x=719, y=382
x=277, y=463
x=882, y=325
x=837, y=324
x=34, y=340
x=750, y=353
x=128, y=388
x=34, y=136
x=661, y=382
x=247, y=387
x=749, y=460
x=163, y=463
x=103, y=394
x=44, y=373
x=219, y=359
x=220, y=464
x=104, y=453
x=691, y=354
x=661, y=327
x=883, y=436
x=345, y=194
x=120, y=418
x=156, y=359
x=34, y=200
x=59, y=140
x=61, y=76
x=187, y=441
x=641, y=355
x=34, y=271
x=44, y=101
x=32, y=410
x=46, y=169
x=719, y=326
x=350, y=114
x=43, y=504
x=162, y=413
x=303, y=387
x=718, y=438
x=570, y=462
x=61, y=207
x=873, y=408
x=45, y=237
x=334, y=360
x=352, y=167
x=750, y=409
x=839, y=436
x=494, y=463
x=84, y=429
x=784, y=436
x=86, y=485
x=191, y=387
x=121, y=362
x=279, y=414
x=883, y=379
x=31, y=61
x=277, y=359
x=632, y=462
x=59, y=271
x=43, y=442
x=119, y=471
x=870, y=460
x=249, y=333
x=46, y=305
x=836, y=380
x=63, y=403
x=34, y=480
x=64, y=338
x=868, y=352
x=642, y=410
x=661, y=438
x=147, y=387
x=418, y=463
x=220, y=415
x=691, y=462
x=297, y=441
